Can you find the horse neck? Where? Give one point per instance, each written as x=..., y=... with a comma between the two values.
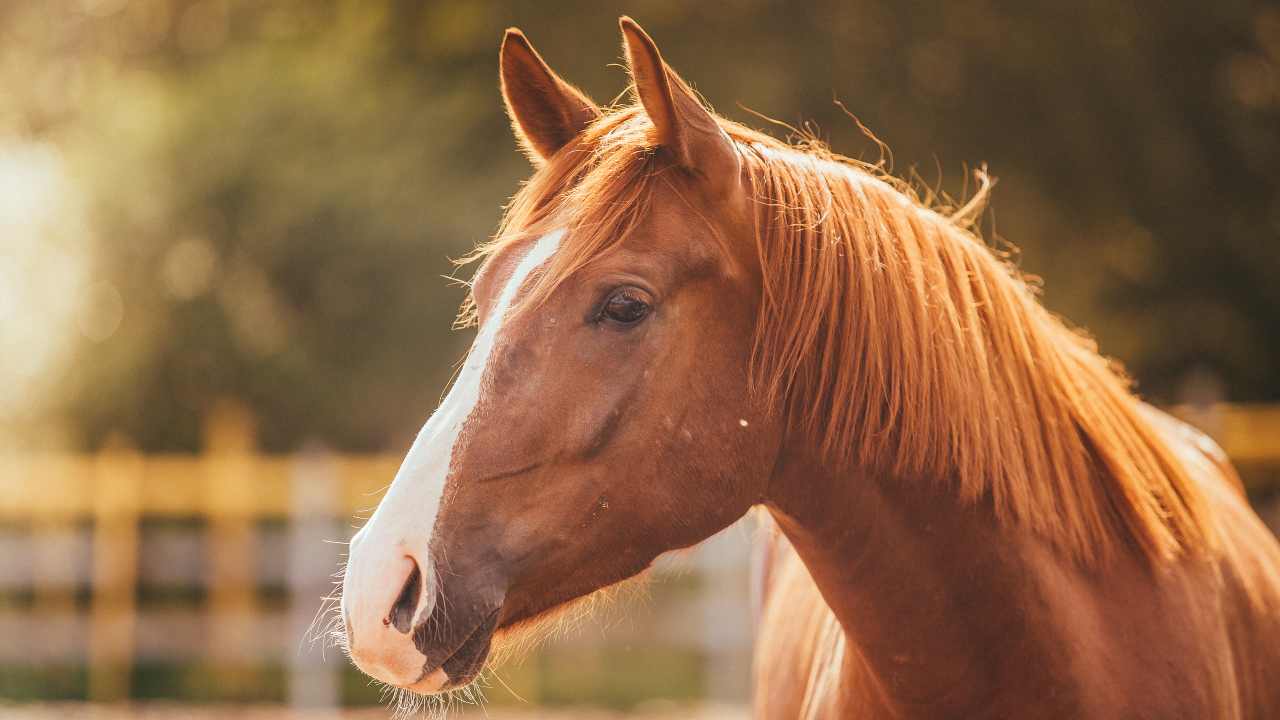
x=932, y=593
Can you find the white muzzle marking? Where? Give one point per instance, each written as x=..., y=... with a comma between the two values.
x=398, y=535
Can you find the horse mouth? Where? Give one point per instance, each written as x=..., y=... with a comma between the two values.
x=463, y=665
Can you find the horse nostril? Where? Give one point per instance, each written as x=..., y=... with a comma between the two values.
x=401, y=615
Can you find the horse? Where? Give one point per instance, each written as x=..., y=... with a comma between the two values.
x=682, y=320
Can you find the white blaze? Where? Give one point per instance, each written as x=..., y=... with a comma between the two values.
x=401, y=527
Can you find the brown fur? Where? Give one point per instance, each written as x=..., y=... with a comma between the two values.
x=869, y=294
x=977, y=516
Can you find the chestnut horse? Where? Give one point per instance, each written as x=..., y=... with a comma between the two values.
x=681, y=319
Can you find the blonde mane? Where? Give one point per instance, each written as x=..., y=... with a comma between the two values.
x=896, y=340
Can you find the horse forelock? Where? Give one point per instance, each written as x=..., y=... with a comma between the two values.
x=893, y=337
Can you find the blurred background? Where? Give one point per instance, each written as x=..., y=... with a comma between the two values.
x=225, y=236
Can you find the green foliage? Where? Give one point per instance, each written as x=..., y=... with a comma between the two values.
x=275, y=189
x=44, y=683
x=621, y=677
x=205, y=682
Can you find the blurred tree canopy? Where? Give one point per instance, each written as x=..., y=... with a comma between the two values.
x=273, y=189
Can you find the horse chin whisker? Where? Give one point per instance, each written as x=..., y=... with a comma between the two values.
x=406, y=704
x=515, y=642
x=491, y=673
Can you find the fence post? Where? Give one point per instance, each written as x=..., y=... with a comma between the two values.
x=117, y=485
x=314, y=553
x=726, y=638
x=53, y=557
x=231, y=583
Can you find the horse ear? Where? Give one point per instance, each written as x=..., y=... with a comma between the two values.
x=683, y=124
x=546, y=112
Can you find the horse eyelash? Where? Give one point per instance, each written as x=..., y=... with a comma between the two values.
x=597, y=314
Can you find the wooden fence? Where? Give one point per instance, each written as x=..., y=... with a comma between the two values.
x=229, y=487
x=229, y=491
x=232, y=488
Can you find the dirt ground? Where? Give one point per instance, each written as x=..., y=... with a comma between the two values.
x=165, y=711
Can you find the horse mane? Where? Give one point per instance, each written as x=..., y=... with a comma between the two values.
x=894, y=339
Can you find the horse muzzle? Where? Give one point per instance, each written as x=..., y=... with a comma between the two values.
x=455, y=646
x=406, y=631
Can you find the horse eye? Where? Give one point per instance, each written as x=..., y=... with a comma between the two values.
x=625, y=306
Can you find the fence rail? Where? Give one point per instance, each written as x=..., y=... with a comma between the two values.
x=231, y=489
